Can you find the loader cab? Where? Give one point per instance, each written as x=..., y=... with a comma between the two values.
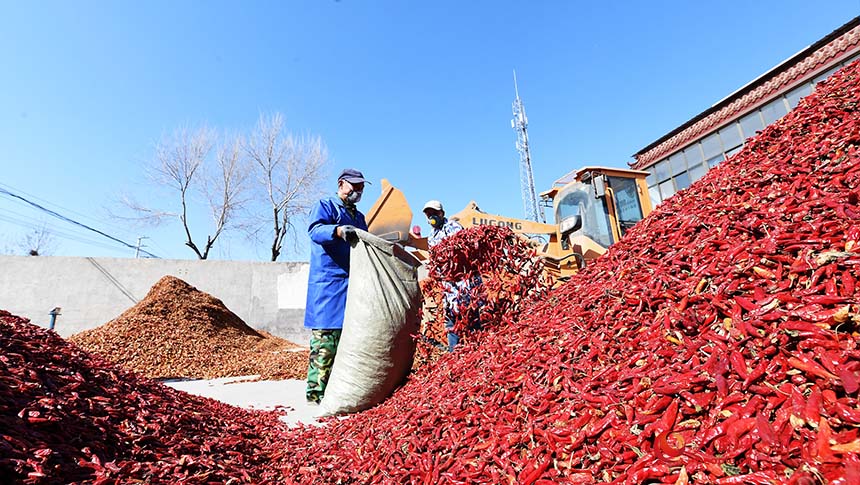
x=596, y=206
x=578, y=211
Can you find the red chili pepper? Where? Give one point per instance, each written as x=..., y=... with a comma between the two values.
x=648, y=473
x=759, y=370
x=757, y=478
x=739, y=364
x=849, y=414
x=766, y=431
x=806, y=364
x=738, y=428
x=537, y=470
x=850, y=380
x=661, y=443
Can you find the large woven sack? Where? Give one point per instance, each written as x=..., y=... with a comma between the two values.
x=383, y=303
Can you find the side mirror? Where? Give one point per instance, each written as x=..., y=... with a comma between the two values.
x=599, y=183
x=570, y=224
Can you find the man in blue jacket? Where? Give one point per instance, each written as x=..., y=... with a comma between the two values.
x=333, y=222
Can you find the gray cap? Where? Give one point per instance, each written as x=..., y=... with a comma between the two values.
x=433, y=204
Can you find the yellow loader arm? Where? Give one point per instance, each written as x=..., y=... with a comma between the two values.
x=561, y=262
x=390, y=218
x=471, y=216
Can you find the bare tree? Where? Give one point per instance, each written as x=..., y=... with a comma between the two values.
x=225, y=190
x=290, y=170
x=38, y=242
x=183, y=164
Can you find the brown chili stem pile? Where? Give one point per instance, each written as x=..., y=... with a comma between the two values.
x=180, y=331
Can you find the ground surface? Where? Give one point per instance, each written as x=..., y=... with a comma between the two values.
x=286, y=394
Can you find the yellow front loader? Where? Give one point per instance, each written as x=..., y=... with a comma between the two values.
x=592, y=209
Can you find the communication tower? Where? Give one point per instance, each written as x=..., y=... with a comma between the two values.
x=527, y=182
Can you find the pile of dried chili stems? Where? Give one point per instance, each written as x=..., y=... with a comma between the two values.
x=716, y=343
x=178, y=331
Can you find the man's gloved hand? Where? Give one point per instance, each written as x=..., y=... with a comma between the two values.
x=347, y=233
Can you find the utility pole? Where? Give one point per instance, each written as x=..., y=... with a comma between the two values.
x=520, y=124
x=137, y=249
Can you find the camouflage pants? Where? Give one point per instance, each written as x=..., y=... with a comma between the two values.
x=323, y=350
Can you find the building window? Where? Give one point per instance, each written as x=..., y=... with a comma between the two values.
x=661, y=170
x=698, y=172
x=730, y=135
x=750, y=124
x=773, y=111
x=797, y=94
x=667, y=189
x=682, y=180
x=650, y=179
x=710, y=146
x=676, y=163
x=693, y=154
x=654, y=192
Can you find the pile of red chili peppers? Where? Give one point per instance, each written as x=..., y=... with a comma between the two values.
x=69, y=417
x=496, y=275
x=716, y=343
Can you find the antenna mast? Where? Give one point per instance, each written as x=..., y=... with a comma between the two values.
x=527, y=182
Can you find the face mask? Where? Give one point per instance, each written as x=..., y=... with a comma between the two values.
x=436, y=221
x=353, y=197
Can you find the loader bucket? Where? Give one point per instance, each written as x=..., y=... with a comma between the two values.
x=390, y=216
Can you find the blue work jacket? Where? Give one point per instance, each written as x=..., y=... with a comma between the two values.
x=329, y=269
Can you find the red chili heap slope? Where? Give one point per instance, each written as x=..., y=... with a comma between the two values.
x=68, y=417
x=717, y=343
x=180, y=331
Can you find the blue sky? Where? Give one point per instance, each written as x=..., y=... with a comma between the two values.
x=416, y=92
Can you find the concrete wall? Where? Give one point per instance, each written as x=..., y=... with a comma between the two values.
x=92, y=291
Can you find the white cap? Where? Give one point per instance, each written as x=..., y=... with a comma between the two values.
x=433, y=204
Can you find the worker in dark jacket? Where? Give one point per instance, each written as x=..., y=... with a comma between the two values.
x=333, y=222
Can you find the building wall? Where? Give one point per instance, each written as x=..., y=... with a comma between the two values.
x=686, y=156
x=92, y=291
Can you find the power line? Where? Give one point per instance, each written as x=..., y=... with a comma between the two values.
x=126, y=233
x=72, y=221
x=56, y=232
x=66, y=210
x=26, y=220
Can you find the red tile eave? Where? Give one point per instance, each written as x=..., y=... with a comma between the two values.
x=834, y=52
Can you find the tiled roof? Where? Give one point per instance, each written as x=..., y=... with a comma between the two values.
x=803, y=66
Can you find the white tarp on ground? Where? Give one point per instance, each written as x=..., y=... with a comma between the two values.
x=287, y=396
